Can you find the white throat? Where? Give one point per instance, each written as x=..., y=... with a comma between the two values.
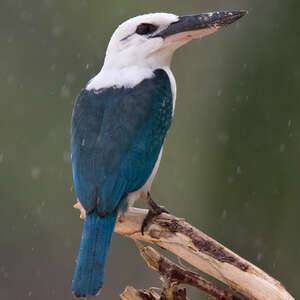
x=119, y=77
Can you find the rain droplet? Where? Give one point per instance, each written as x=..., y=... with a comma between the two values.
x=224, y=214
x=65, y=92
x=67, y=243
x=282, y=148
x=38, y=273
x=35, y=172
x=10, y=39
x=52, y=67
x=70, y=78
x=259, y=256
x=66, y=156
x=230, y=179
x=48, y=2
x=223, y=137
x=57, y=30
x=26, y=15
x=10, y=79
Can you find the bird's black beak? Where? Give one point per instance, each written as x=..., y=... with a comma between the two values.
x=196, y=26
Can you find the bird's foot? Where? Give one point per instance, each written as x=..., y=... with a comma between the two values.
x=154, y=211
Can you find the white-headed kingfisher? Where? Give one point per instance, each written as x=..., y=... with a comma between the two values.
x=119, y=124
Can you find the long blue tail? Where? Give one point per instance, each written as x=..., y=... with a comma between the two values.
x=95, y=241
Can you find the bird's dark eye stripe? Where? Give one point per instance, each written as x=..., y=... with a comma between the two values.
x=145, y=28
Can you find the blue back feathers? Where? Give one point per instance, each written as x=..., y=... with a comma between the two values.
x=116, y=137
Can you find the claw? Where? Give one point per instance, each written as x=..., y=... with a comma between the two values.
x=150, y=215
x=153, y=212
x=159, y=210
x=155, y=207
x=82, y=210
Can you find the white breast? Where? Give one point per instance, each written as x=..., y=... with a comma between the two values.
x=173, y=85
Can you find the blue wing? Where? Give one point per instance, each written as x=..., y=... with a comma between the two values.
x=116, y=137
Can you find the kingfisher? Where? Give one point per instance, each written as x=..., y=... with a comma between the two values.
x=119, y=124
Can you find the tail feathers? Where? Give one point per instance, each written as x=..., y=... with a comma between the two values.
x=95, y=241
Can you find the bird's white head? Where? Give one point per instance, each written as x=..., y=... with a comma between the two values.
x=133, y=43
x=147, y=42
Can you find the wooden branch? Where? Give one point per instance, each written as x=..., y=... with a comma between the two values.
x=131, y=293
x=176, y=275
x=204, y=253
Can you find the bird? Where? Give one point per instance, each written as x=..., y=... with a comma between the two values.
x=118, y=128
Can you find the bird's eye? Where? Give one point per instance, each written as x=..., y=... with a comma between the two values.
x=145, y=28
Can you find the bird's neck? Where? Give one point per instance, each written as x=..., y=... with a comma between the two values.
x=129, y=70
x=128, y=76
x=119, y=77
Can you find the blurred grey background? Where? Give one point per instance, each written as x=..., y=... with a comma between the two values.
x=231, y=160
